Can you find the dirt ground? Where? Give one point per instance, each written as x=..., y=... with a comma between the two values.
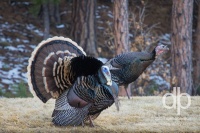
x=139, y=114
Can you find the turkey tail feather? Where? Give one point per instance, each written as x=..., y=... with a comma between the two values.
x=47, y=66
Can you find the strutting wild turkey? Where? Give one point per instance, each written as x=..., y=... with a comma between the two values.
x=67, y=114
x=82, y=86
x=127, y=67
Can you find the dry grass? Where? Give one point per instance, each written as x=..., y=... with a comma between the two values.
x=140, y=114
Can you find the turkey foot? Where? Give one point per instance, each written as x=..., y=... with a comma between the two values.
x=91, y=123
x=83, y=125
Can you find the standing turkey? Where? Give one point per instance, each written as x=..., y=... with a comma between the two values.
x=127, y=67
x=88, y=107
x=58, y=68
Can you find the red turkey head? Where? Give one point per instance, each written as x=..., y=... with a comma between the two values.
x=161, y=49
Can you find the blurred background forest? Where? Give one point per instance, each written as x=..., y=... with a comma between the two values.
x=23, y=24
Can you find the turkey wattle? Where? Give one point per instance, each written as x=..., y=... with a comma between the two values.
x=127, y=67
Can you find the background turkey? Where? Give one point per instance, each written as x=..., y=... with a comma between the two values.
x=58, y=68
x=127, y=67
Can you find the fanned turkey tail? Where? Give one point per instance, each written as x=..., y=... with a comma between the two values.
x=47, y=68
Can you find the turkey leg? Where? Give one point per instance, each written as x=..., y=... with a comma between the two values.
x=126, y=87
x=91, y=123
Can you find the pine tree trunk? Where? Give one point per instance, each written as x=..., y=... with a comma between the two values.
x=196, y=55
x=121, y=32
x=46, y=20
x=57, y=13
x=121, y=28
x=83, y=25
x=51, y=12
x=181, y=50
x=54, y=14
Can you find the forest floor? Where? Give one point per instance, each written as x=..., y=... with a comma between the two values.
x=139, y=114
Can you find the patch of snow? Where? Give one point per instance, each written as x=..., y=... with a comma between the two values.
x=11, y=48
x=105, y=7
x=2, y=58
x=25, y=76
x=100, y=28
x=33, y=28
x=110, y=15
x=38, y=32
x=6, y=25
x=32, y=46
x=104, y=60
x=130, y=35
x=25, y=41
x=13, y=73
x=17, y=40
x=26, y=3
x=159, y=80
x=166, y=36
x=6, y=81
x=30, y=27
x=21, y=50
x=20, y=3
x=62, y=13
x=21, y=46
x=60, y=26
x=2, y=39
x=98, y=16
x=14, y=30
x=26, y=58
x=8, y=77
x=9, y=40
x=109, y=23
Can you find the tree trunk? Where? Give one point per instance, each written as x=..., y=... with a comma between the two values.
x=46, y=20
x=121, y=32
x=196, y=56
x=83, y=25
x=51, y=12
x=54, y=13
x=57, y=13
x=181, y=51
x=121, y=28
